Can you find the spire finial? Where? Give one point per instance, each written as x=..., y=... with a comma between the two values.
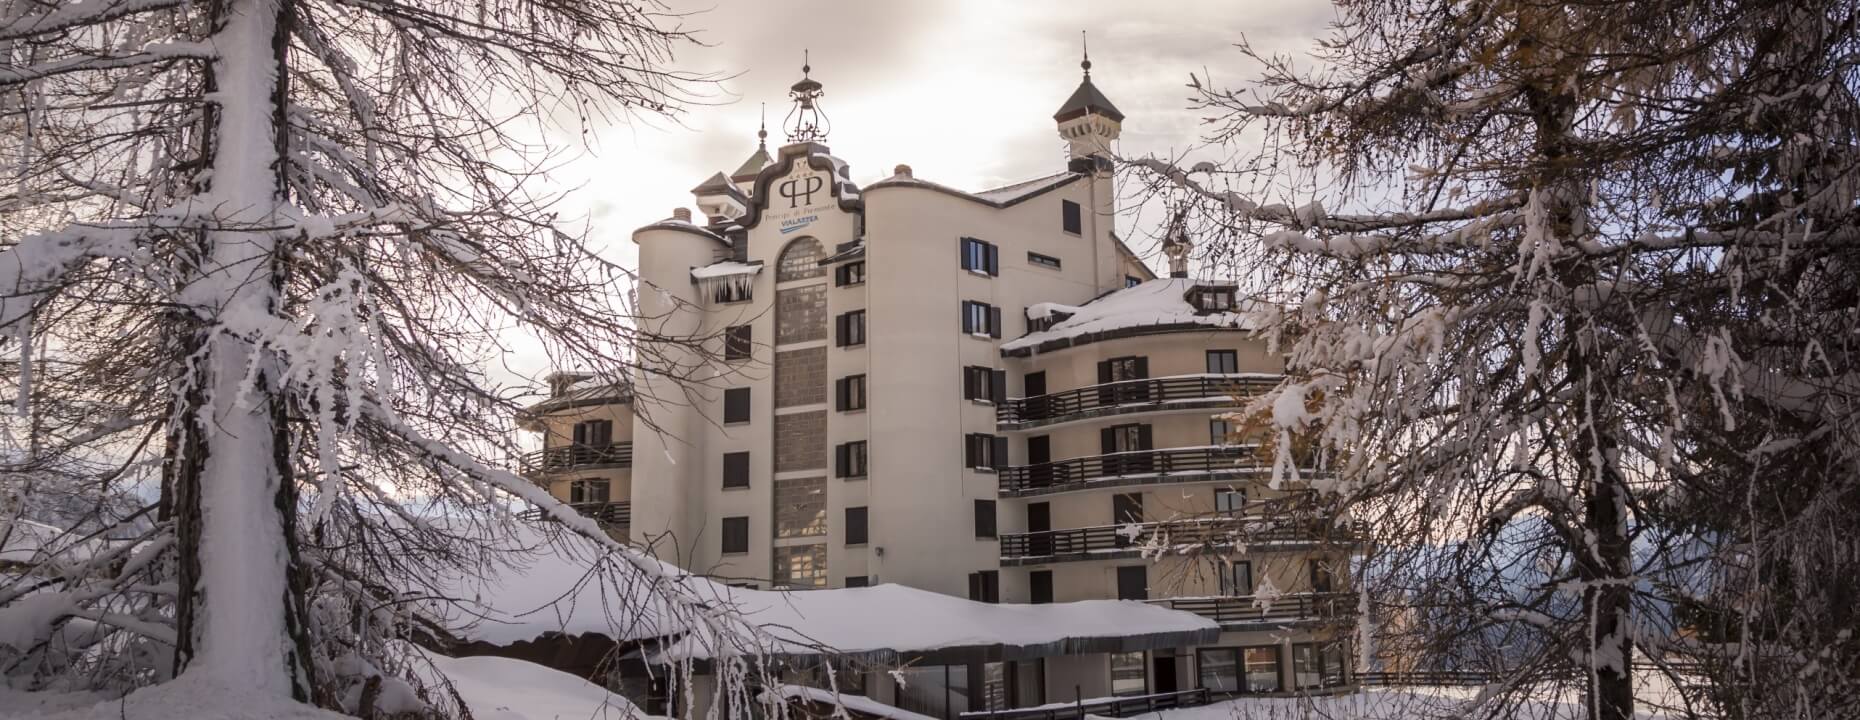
x=762, y=131
x=806, y=122
x=1085, y=44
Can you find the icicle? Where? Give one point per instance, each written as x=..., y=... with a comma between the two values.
x=23, y=404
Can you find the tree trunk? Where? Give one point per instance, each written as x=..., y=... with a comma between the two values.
x=244, y=619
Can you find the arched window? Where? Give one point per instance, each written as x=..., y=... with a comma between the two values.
x=800, y=260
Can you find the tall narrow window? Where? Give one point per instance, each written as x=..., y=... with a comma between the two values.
x=849, y=393
x=1236, y=577
x=1229, y=500
x=980, y=257
x=983, y=383
x=1040, y=586
x=1223, y=362
x=737, y=342
x=855, y=526
x=849, y=459
x=985, y=518
x=735, y=470
x=1262, y=669
x=1071, y=217
x=982, y=451
x=849, y=329
x=980, y=318
x=985, y=586
x=1220, y=432
x=735, y=535
x=588, y=491
x=736, y=405
x=1322, y=580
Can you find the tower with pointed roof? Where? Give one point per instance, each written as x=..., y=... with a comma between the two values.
x=1088, y=121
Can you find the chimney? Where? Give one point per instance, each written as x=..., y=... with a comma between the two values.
x=902, y=171
x=681, y=214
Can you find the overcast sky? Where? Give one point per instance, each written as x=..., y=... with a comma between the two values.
x=963, y=91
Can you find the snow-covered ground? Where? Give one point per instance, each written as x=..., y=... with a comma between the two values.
x=1381, y=704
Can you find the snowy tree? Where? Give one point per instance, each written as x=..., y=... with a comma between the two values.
x=262, y=250
x=1583, y=345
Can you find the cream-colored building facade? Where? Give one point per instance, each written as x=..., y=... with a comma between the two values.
x=983, y=394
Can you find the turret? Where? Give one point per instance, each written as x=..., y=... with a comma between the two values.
x=1089, y=122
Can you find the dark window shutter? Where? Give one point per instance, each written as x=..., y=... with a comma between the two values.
x=968, y=383
x=966, y=325
x=991, y=586
x=736, y=470
x=840, y=460
x=1000, y=453
x=997, y=386
x=968, y=450
x=984, y=518
x=1144, y=441
x=1133, y=583
x=994, y=260
x=994, y=322
x=581, y=433
x=839, y=330
x=736, y=405
x=858, y=581
x=975, y=586
x=855, y=526
x=1107, y=440
x=962, y=252
x=1104, y=371
x=839, y=394
x=1040, y=586
x=1143, y=367
x=1069, y=217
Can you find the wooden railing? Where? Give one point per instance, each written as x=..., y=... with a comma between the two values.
x=1114, y=541
x=1103, y=707
x=569, y=457
x=1245, y=609
x=1148, y=466
x=612, y=514
x=1130, y=396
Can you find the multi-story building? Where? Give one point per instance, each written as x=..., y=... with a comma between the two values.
x=984, y=394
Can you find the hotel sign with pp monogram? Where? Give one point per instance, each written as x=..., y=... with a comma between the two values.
x=799, y=198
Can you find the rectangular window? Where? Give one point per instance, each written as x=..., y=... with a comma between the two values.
x=1129, y=674
x=1071, y=217
x=857, y=581
x=800, y=507
x=800, y=566
x=1223, y=362
x=1133, y=582
x=1045, y=261
x=1307, y=671
x=1218, y=669
x=984, y=518
x=852, y=273
x=737, y=342
x=1121, y=369
x=1322, y=580
x=736, y=470
x=1127, y=508
x=980, y=257
x=1333, y=664
x=985, y=586
x=588, y=491
x=1262, y=669
x=735, y=535
x=1040, y=587
x=736, y=405
x=849, y=329
x=594, y=433
x=1229, y=500
x=855, y=526
x=982, y=451
x=1131, y=281
x=982, y=383
x=1212, y=300
x=849, y=393
x=1236, y=577
x=849, y=459
x=980, y=318
x=1220, y=432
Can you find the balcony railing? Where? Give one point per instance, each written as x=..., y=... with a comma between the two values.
x=610, y=514
x=1105, y=542
x=1252, y=609
x=569, y=457
x=1138, y=467
x=1127, y=396
x=1115, y=707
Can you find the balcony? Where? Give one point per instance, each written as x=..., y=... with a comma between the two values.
x=1138, y=467
x=1181, y=392
x=576, y=457
x=1236, y=612
x=609, y=514
x=1114, y=542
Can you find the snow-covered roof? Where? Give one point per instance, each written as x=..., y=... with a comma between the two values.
x=27, y=542
x=726, y=268
x=497, y=688
x=1157, y=304
x=852, y=703
x=997, y=197
x=573, y=588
